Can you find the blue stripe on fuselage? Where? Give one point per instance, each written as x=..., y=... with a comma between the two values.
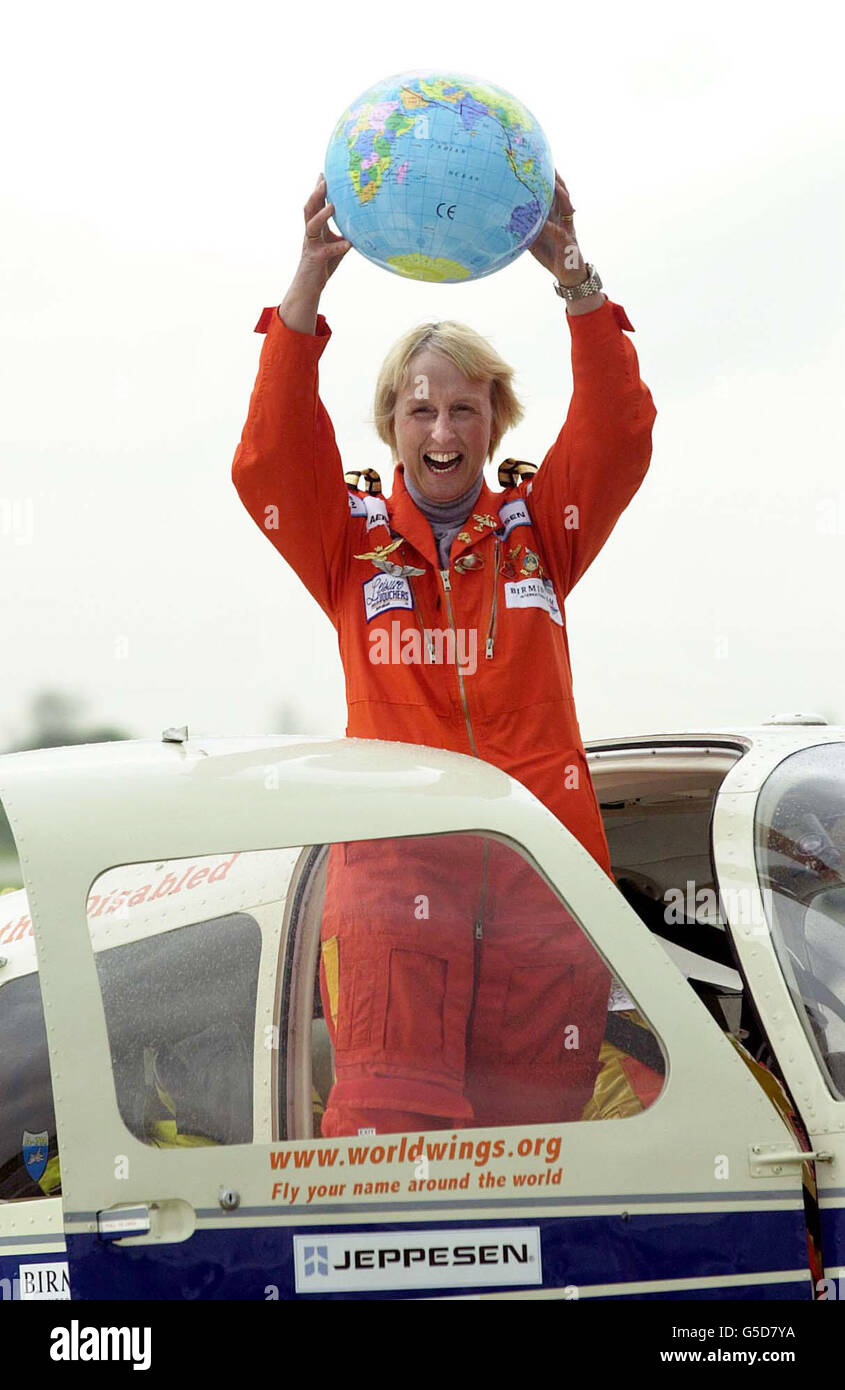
x=243, y=1262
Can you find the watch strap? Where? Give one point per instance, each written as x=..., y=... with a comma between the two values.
x=591, y=285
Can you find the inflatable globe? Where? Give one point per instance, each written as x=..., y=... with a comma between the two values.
x=439, y=177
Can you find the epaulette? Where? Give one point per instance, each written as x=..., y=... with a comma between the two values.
x=514, y=472
x=371, y=481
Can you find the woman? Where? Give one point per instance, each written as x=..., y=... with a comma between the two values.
x=448, y=603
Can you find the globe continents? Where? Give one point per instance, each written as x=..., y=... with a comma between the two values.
x=439, y=177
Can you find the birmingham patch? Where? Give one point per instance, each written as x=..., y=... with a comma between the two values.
x=534, y=593
x=384, y=592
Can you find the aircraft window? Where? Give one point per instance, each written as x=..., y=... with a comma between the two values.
x=180, y=1013
x=29, y=1165
x=178, y=946
x=453, y=989
x=10, y=869
x=657, y=807
x=800, y=849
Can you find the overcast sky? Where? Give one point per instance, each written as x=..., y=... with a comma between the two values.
x=156, y=158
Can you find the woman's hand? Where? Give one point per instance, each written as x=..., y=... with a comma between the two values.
x=322, y=249
x=556, y=247
x=322, y=252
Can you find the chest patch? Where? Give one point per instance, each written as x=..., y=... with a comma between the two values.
x=534, y=593
x=386, y=591
x=373, y=508
x=511, y=515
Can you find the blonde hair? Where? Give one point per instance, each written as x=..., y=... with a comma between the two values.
x=473, y=355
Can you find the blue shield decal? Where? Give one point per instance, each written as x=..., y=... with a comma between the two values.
x=34, y=1148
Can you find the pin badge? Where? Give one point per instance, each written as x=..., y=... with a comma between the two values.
x=381, y=562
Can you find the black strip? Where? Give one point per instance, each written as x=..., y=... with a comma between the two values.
x=637, y=1041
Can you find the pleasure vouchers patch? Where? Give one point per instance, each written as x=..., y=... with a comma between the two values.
x=384, y=592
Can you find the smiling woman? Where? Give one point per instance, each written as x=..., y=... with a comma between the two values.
x=443, y=401
x=416, y=993
x=442, y=385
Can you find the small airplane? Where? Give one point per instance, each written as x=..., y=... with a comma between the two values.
x=165, y=1061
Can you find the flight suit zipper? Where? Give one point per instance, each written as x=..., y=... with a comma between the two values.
x=491, y=627
x=477, y=946
x=428, y=640
x=447, y=590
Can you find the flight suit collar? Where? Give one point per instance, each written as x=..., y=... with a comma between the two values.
x=409, y=522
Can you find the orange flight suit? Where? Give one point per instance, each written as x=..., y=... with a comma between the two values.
x=454, y=1019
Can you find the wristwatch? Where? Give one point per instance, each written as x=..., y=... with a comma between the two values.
x=591, y=285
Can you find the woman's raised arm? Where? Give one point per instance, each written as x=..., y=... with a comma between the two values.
x=322, y=252
x=601, y=455
x=287, y=468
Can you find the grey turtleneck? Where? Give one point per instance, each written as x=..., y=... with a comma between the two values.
x=445, y=518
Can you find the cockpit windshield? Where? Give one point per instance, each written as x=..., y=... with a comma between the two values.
x=800, y=853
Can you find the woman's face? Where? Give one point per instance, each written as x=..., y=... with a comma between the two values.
x=442, y=422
